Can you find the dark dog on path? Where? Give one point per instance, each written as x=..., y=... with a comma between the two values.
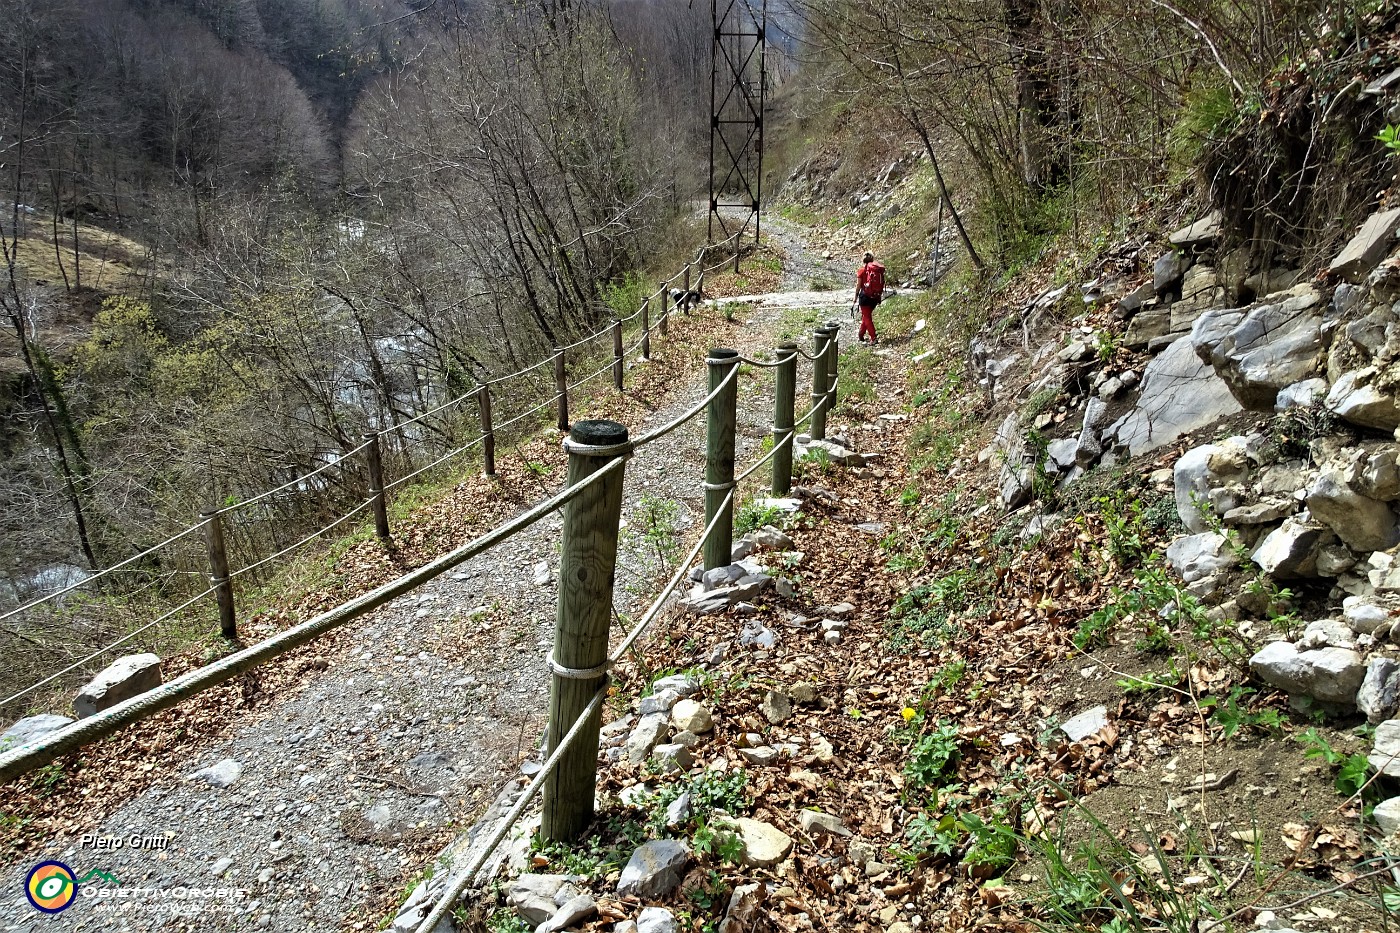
x=686, y=300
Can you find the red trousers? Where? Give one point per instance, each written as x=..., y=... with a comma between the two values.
x=867, y=323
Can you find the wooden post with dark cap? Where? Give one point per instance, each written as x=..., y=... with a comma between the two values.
x=784, y=397
x=586, y=567
x=817, y=429
x=376, y=487
x=219, y=577
x=833, y=362
x=646, y=330
x=663, y=325
x=721, y=418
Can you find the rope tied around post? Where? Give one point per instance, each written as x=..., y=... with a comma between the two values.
x=578, y=673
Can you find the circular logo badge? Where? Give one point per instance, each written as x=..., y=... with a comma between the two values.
x=50, y=887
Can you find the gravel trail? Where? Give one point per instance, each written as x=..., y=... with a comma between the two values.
x=349, y=783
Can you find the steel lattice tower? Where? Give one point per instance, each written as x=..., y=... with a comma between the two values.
x=738, y=92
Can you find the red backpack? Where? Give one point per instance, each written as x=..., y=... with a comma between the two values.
x=874, y=281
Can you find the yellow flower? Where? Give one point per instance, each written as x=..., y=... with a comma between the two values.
x=908, y=713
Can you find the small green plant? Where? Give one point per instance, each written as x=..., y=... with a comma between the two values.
x=753, y=515
x=721, y=844
x=1390, y=137
x=657, y=521
x=506, y=920
x=813, y=464
x=1232, y=716
x=1105, y=345
x=934, y=757
x=1353, y=771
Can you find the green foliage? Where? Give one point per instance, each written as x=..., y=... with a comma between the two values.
x=708, y=792
x=1390, y=138
x=656, y=526
x=857, y=370
x=717, y=843
x=1353, y=771
x=925, y=613
x=934, y=757
x=754, y=515
x=1209, y=113
x=625, y=296
x=1040, y=402
x=812, y=465
x=506, y=920
x=1232, y=717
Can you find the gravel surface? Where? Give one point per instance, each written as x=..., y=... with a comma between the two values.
x=347, y=786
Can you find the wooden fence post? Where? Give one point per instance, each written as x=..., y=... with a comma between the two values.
x=488, y=443
x=219, y=577
x=586, y=566
x=646, y=330
x=617, y=353
x=784, y=397
x=817, y=430
x=561, y=388
x=663, y=325
x=376, y=487
x=833, y=349
x=721, y=418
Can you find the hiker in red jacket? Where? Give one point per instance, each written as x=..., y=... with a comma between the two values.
x=870, y=288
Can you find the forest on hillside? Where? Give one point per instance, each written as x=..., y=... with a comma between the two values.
x=240, y=233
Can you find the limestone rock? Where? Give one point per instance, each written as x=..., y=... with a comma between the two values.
x=1290, y=550
x=1167, y=272
x=1363, y=524
x=1179, y=394
x=1365, y=250
x=1199, y=471
x=1200, y=291
x=655, y=920
x=1380, y=478
x=764, y=845
x=1379, y=695
x=672, y=757
x=1089, y=447
x=683, y=684
x=1387, y=815
x=658, y=701
x=770, y=537
x=1355, y=399
x=1365, y=616
x=1196, y=556
x=691, y=716
x=1264, y=512
x=573, y=912
x=649, y=732
x=1279, y=664
x=1273, y=346
x=31, y=728
x=220, y=774
x=776, y=707
x=654, y=869
x=1305, y=394
x=120, y=681
x=1080, y=727
x=1205, y=230
x=1336, y=674
x=1147, y=327
x=1385, y=753
x=533, y=896
x=1326, y=633
x=822, y=824
x=760, y=755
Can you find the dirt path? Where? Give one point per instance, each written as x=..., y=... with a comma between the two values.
x=349, y=781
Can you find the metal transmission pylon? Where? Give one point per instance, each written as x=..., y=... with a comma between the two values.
x=738, y=92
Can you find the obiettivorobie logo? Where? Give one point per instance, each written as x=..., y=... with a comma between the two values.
x=52, y=886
